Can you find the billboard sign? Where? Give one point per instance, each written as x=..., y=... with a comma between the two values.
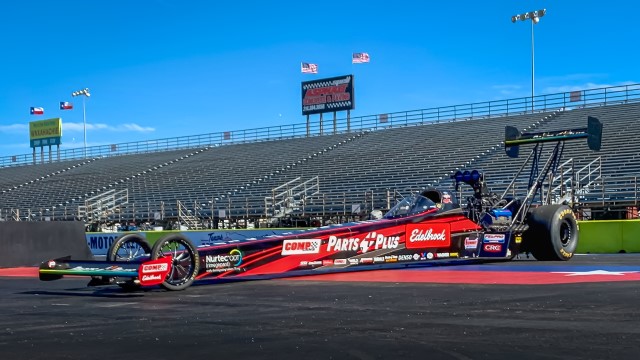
x=328, y=95
x=45, y=132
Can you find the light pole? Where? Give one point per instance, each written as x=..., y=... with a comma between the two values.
x=534, y=16
x=85, y=94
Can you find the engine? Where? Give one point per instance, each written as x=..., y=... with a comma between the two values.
x=485, y=208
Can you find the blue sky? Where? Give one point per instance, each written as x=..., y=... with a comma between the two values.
x=161, y=68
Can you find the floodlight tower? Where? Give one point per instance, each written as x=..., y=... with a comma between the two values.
x=85, y=94
x=534, y=16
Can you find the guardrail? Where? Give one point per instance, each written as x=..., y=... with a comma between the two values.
x=488, y=109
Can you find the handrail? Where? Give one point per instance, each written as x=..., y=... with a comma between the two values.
x=291, y=195
x=488, y=109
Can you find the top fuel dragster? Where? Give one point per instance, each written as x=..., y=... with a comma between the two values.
x=427, y=227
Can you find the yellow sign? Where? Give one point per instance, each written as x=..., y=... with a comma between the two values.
x=43, y=129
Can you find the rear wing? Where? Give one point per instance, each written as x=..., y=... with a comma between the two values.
x=514, y=138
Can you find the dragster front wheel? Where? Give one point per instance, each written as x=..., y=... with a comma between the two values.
x=185, y=260
x=128, y=247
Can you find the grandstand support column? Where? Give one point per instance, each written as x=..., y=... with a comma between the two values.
x=50, y=156
x=335, y=123
x=348, y=121
x=308, y=125
x=321, y=124
x=41, y=154
x=34, y=155
x=58, y=151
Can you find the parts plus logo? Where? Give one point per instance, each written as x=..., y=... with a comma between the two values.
x=423, y=236
x=301, y=246
x=372, y=241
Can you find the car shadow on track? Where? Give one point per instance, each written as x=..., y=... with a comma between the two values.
x=84, y=292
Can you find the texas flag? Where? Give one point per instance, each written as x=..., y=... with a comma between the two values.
x=37, y=110
x=65, y=105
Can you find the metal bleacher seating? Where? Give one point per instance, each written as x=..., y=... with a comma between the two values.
x=369, y=167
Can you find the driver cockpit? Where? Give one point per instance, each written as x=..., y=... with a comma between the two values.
x=444, y=198
x=426, y=200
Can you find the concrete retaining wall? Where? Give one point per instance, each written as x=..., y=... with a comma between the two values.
x=28, y=243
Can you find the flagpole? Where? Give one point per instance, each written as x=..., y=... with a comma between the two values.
x=84, y=122
x=85, y=94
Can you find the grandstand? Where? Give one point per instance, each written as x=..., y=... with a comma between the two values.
x=364, y=164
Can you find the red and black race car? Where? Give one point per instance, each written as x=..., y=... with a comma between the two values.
x=425, y=228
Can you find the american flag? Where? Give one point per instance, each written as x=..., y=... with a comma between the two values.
x=65, y=105
x=309, y=68
x=36, y=111
x=359, y=58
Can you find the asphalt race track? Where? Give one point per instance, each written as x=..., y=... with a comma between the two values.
x=586, y=308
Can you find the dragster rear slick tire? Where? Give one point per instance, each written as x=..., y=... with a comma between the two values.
x=128, y=247
x=553, y=233
x=185, y=264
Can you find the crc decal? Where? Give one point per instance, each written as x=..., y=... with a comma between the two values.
x=492, y=247
x=494, y=238
x=371, y=242
x=301, y=246
x=428, y=236
x=223, y=262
